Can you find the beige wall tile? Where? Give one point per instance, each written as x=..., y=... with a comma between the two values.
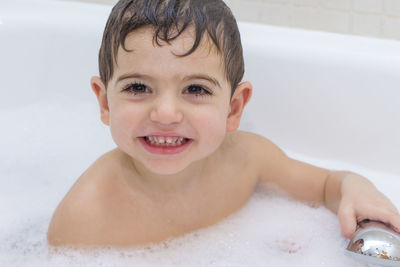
x=391, y=28
x=246, y=10
x=368, y=6
x=337, y=4
x=276, y=1
x=392, y=7
x=311, y=3
x=304, y=17
x=335, y=21
x=108, y=2
x=275, y=14
x=366, y=24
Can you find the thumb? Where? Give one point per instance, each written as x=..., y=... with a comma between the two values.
x=347, y=220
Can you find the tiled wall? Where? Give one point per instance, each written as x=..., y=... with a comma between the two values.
x=378, y=18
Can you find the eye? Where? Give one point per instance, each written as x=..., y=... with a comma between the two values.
x=136, y=88
x=197, y=90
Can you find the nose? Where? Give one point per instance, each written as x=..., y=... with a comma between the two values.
x=166, y=110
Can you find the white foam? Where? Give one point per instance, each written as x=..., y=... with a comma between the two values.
x=271, y=230
x=45, y=147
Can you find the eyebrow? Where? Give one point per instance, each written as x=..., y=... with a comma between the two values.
x=203, y=77
x=133, y=75
x=206, y=77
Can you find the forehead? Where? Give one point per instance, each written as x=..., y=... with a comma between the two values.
x=145, y=55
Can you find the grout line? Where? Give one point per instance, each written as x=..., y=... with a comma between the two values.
x=319, y=14
x=290, y=10
x=382, y=19
x=351, y=17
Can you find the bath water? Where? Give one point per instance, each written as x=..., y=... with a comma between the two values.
x=45, y=146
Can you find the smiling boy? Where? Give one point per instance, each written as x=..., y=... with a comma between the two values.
x=170, y=90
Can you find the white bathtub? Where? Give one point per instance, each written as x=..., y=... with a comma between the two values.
x=329, y=99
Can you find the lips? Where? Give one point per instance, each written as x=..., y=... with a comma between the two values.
x=166, y=134
x=166, y=148
x=165, y=140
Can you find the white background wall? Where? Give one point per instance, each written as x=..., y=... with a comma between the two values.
x=377, y=18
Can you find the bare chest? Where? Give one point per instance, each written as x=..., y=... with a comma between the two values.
x=142, y=219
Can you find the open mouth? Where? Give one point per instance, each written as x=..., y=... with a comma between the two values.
x=170, y=141
x=165, y=144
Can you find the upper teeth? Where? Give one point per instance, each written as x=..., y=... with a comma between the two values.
x=167, y=140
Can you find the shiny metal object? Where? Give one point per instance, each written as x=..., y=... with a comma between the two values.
x=376, y=244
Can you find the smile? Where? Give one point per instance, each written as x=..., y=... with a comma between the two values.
x=165, y=140
x=165, y=145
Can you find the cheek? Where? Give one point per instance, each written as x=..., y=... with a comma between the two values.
x=211, y=126
x=123, y=123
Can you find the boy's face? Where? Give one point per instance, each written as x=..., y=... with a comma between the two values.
x=153, y=92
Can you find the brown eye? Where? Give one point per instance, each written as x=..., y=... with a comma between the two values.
x=197, y=90
x=136, y=88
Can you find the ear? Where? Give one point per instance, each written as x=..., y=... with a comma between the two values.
x=238, y=102
x=99, y=89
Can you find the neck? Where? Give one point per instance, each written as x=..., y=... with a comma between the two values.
x=139, y=176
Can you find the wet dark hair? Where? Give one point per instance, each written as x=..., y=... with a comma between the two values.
x=169, y=19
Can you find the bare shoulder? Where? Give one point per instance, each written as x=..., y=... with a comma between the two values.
x=80, y=216
x=254, y=144
x=301, y=180
x=265, y=157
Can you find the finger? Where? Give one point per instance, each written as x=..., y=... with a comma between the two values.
x=348, y=221
x=394, y=220
x=391, y=217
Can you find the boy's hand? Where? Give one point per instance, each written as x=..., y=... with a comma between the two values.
x=360, y=200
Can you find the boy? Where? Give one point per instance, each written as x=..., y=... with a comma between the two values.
x=169, y=88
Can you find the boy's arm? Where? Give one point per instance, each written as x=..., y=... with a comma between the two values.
x=302, y=181
x=352, y=197
x=76, y=222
